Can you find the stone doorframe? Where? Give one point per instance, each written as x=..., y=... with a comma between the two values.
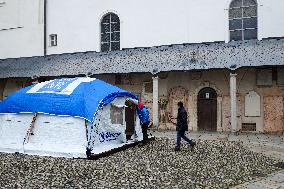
x=193, y=98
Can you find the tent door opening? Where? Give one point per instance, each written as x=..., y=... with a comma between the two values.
x=130, y=112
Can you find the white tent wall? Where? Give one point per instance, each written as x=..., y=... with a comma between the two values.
x=13, y=129
x=58, y=136
x=65, y=136
x=106, y=135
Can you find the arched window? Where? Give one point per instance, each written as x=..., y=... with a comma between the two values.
x=243, y=20
x=110, y=33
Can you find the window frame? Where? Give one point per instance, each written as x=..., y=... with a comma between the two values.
x=53, y=40
x=111, y=32
x=116, y=115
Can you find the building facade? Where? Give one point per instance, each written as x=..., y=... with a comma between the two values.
x=224, y=60
x=21, y=28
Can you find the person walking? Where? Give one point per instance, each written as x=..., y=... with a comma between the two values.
x=144, y=117
x=181, y=127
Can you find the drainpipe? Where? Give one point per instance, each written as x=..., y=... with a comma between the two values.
x=44, y=23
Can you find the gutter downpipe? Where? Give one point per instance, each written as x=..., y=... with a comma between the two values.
x=44, y=20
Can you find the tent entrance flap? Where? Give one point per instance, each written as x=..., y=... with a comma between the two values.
x=130, y=116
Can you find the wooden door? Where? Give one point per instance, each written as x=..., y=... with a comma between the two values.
x=207, y=110
x=130, y=111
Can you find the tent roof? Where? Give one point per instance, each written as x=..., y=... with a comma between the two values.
x=78, y=97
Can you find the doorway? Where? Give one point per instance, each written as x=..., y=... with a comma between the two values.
x=130, y=112
x=207, y=110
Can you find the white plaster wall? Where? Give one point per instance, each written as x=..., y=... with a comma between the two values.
x=21, y=28
x=152, y=23
x=143, y=23
x=271, y=20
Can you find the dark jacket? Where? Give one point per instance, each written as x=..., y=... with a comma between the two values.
x=182, y=120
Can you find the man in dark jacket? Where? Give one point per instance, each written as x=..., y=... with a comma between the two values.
x=181, y=127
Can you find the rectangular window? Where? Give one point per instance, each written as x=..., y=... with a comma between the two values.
x=116, y=115
x=280, y=76
x=53, y=40
x=264, y=77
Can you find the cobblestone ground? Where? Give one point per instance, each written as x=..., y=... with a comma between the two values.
x=213, y=164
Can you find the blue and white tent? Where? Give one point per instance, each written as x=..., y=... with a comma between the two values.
x=64, y=117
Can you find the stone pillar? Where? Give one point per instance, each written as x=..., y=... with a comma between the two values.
x=233, y=95
x=155, y=102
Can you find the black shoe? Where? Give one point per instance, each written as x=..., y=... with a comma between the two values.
x=192, y=145
x=177, y=149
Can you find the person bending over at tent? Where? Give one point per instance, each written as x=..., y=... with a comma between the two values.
x=144, y=117
x=182, y=126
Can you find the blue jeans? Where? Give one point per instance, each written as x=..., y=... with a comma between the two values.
x=181, y=134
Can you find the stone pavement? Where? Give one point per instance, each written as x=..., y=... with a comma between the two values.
x=268, y=145
x=273, y=181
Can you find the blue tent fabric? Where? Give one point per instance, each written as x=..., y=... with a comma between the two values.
x=83, y=101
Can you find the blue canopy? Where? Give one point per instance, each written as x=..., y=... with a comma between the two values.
x=78, y=97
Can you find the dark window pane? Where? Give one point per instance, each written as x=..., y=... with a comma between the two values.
x=236, y=3
x=236, y=35
x=115, y=36
x=250, y=34
x=235, y=13
x=106, y=19
x=249, y=2
x=105, y=47
x=115, y=46
x=250, y=23
x=115, y=27
x=235, y=24
x=114, y=18
x=249, y=11
x=105, y=28
x=105, y=37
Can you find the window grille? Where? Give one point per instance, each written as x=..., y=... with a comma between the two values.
x=243, y=20
x=53, y=39
x=110, y=33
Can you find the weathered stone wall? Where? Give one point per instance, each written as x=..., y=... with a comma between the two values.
x=13, y=84
x=184, y=86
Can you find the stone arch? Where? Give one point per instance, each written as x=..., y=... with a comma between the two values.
x=193, y=111
x=228, y=3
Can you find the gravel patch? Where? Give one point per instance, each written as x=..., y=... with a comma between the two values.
x=212, y=164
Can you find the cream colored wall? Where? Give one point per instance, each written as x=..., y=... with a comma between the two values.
x=2, y=86
x=218, y=80
x=12, y=85
x=271, y=98
x=271, y=102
